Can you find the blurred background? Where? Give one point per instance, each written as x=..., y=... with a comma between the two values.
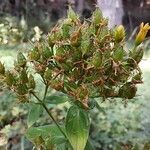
x=23, y=22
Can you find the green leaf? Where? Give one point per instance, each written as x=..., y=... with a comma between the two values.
x=56, y=99
x=77, y=127
x=48, y=131
x=89, y=146
x=34, y=113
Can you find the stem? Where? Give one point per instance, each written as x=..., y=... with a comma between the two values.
x=46, y=88
x=51, y=116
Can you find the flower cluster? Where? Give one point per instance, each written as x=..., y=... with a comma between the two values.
x=83, y=60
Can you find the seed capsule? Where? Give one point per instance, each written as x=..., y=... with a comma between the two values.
x=2, y=69
x=127, y=91
x=21, y=60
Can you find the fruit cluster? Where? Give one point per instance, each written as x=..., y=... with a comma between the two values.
x=84, y=59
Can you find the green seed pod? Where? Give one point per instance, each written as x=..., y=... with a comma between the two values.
x=9, y=78
x=34, y=55
x=97, y=59
x=72, y=15
x=23, y=76
x=85, y=46
x=119, y=33
x=21, y=60
x=66, y=30
x=31, y=82
x=97, y=16
x=127, y=91
x=46, y=53
x=2, y=69
x=48, y=74
x=21, y=89
x=118, y=54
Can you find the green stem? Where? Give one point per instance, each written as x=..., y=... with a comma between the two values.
x=46, y=88
x=51, y=116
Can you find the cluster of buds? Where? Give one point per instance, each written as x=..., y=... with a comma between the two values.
x=18, y=80
x=84, y=60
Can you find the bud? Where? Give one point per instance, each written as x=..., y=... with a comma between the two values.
x=31, y=83
x=119, y=33
x=21, y=60
x=142, y=33
x=2, y=69
x=9, y=78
